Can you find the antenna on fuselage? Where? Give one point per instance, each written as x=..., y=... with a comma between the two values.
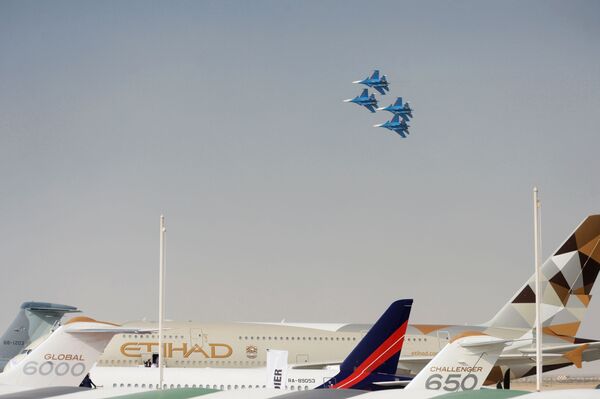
x=161, y=300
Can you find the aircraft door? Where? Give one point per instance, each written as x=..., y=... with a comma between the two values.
x=301, y=359
x=443, y=338
x=197, y=337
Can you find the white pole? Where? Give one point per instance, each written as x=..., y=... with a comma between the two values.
x=538, y=293
x=161, y=301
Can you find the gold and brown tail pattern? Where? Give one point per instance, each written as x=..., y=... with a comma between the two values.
x=568, y=277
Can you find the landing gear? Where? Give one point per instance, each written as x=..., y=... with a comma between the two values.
x=505, y=383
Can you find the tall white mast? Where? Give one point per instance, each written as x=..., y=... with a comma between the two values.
x=538, y=293
x=161, y=300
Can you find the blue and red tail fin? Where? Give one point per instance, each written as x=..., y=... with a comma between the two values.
x=377, y=353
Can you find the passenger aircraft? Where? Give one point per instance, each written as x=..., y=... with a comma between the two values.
x=58, y=363
x=373, y=361
x=568, y=277
x=34, y=320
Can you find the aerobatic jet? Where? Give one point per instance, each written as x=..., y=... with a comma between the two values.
x=397, y=125
x=405, y=111
x=378, y=83
x=369, y=102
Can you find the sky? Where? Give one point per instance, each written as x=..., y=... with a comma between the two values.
x=282, y=201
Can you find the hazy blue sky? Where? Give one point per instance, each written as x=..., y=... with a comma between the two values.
x=281, y=200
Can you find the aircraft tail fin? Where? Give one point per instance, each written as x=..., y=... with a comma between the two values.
x=375, y=74
x=378, y=352
x=34, y=320
x=396, y=118
x=462, y=365
x=65, y=357
x=568, y=277
x=365, y=93
x=398, y=102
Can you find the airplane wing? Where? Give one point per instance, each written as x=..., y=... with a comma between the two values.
x=370, y=108
x=379, y=89
x=401, y=133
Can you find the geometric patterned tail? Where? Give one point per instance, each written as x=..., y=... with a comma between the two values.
x=566, y=282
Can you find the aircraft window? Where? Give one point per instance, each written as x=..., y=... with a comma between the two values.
x=114, y=385
x=178, y=385
x=281, y=338
x=251, y=337
x=337, y=338
x=275, y=338
x=135, y=385
x=221, y=387
x=128, y=385
x=306, y=387
x=320, y=338
x=343, y=339
x=269, y=338
x=264, y=338
x=240, y=337
x=309, y=338
x=354, y=339
x=292, y=338
x=228, y=386
x=245, y=337
x=235, y=387
x=150, y=386
x=143, y=385
x=172, y=386
x=122, y=385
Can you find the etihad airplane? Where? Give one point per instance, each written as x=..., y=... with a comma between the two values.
x=372, y=362
x=34, y=320
x=568, y=278
x=58, y=363
x=462, y=365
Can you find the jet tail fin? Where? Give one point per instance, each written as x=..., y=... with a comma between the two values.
x=377, y=352
x=462, y=365
x=375, y=74
x=398, y=102
x=65, y=357
x=34, y=320
x=568, y=277
x=365, y=93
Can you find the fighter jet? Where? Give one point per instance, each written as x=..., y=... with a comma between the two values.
x=397, y=125
x=379, y=84
x=405, y=111
x=369, y=102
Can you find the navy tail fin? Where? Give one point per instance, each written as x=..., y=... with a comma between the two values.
x=377, y=353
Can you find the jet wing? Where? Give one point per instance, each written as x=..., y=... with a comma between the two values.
x=370, y=108
x=379, y=89
x=392, y=384
x=401, y=133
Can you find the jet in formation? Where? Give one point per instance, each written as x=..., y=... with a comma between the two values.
x=378, y=83
x=397, y=125
x=365, y=100
x=403, y=110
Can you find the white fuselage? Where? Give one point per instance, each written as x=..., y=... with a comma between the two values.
x=215, y=378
